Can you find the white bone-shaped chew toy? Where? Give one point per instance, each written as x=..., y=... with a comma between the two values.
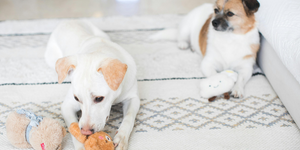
x=218, y=84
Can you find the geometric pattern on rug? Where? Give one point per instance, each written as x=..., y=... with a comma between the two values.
x=179, y=114
x=196, y=114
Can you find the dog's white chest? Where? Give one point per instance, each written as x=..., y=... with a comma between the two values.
x=228, y=48
x=231, y=46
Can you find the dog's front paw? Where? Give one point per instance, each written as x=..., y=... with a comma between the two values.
x=183, y=45
x=121, y=141
x=80, y=147
x=77, y=144
x=237, y=92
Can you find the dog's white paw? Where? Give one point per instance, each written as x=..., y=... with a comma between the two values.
x=121, y=141
x=237, y=92
x=183, y=45
x=77, y=144
x=79, y=147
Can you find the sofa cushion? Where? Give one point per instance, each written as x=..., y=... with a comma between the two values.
x=279, y=22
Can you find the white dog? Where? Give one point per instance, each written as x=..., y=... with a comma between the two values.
x=102, y=74
x=224, y=34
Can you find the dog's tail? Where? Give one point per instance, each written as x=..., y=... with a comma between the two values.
x=165, y=35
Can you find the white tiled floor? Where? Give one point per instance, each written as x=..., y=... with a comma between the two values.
x=39, y=9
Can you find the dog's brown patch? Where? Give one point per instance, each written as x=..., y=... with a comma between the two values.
x=248, y=56
x=254, y=50
x=114, y=72
x=203, y=36
x=220, y=3
x=241, y=22
x=62, y=67
x=244, y=20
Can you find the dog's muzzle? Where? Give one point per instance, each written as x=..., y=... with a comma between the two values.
x=220, y=24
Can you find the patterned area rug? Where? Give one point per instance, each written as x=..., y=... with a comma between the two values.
x=172, y=115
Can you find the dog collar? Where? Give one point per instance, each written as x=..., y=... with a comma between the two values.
x=34, y=121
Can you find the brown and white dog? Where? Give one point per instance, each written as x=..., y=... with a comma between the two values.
x=225, y=34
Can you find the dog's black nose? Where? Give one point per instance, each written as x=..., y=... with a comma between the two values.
x=216, y=23
x=86, y=131
x=93, y=131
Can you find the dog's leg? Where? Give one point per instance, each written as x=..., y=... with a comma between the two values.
x=208, y=68
x=244, y=74
x=130, y=110
x=69, y=109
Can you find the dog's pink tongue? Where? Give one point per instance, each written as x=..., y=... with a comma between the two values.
x=86, y=132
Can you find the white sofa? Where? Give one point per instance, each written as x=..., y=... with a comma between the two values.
x=279, y=57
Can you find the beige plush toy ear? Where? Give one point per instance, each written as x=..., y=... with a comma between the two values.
x=63, y=65
x=113, y=71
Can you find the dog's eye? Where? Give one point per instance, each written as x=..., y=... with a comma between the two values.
x=75, y=97
x=216, y=10
x=229, y=14
x=99, y=99
x=108, y=138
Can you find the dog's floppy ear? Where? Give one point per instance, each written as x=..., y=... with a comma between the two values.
x=250, y=6
x=63, y=65
x=113, y=71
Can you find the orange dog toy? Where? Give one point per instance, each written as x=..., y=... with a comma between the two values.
x=96, y=141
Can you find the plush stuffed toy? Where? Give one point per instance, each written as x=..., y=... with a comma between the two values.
x=218, y=84
x=96, y=141
x=25, y=130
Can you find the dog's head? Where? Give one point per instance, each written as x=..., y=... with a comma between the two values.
x=235, y=15
x=95, y=83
